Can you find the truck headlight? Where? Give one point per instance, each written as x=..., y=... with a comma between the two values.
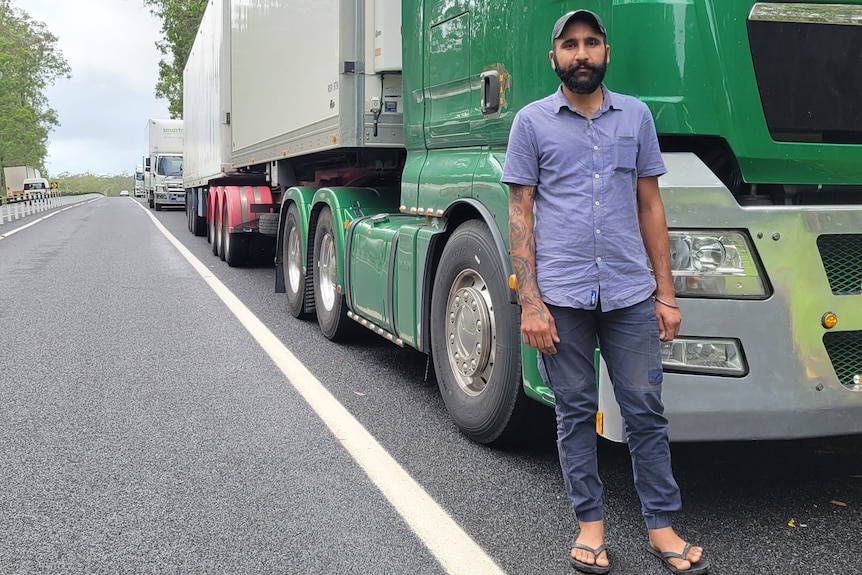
x=715, y=263
x=704, y=355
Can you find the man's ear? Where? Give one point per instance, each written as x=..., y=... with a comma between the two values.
x=553, y=63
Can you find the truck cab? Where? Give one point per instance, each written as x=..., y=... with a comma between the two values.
x=36, y=185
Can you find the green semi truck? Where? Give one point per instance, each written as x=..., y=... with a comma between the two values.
x=361, y=143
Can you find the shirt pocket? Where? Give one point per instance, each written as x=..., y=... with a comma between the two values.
x=626, y=153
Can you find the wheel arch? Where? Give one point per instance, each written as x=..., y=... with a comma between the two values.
x=456, y=214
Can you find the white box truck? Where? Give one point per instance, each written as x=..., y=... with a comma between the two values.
x=163, y=163
x=14, y=177
x=139, y=181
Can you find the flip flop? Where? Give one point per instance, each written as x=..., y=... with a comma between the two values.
x=699, y=568
x=587, y=567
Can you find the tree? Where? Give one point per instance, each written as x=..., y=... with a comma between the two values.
x=29, y=63
x=180, y=21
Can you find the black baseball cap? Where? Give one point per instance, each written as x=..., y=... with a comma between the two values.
x=587, y=15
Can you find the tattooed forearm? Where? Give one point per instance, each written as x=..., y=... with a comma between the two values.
x=522, y=242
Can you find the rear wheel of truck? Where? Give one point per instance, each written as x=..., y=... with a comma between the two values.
x=294, y=260
x=197, y=224
x=475, y=338
x=158, y=207
x=328, y=301
x=218, y=244
x=235, y=246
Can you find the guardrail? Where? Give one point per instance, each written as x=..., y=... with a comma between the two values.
x=23, y=205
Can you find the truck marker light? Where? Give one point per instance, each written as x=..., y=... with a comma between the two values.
x=402, y=209
x=513, y=282
x=829, y=320
x=334, y=138
x=412, y=210
x=439, y=213
x=600, y=422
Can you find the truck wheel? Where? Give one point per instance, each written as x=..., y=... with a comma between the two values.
x=234, y=246
x=197, y=224
x=211, y=228
x=294, y=260
x=158, y=207
x=218, y=228
x=328, y=302
x=475, y=338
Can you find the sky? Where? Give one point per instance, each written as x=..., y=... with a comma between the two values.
x=104, y=107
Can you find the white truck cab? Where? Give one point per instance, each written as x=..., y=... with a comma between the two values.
x=36, y=185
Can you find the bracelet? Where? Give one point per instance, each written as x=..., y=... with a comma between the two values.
x=665, y=303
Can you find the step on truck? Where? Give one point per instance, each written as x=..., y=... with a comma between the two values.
x=163, y=163
x=360, y=144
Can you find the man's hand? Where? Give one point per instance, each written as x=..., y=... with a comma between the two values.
x=538, y=328
x=669, y=320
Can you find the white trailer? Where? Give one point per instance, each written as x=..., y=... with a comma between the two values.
x=252, y=131
x=207, y=111
x=14, y=177
x=163, y=163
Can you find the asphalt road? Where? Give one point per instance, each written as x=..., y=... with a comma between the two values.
x=143, y=429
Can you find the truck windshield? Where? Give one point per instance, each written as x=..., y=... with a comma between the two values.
x=170, y=166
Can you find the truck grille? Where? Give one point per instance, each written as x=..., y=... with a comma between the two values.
x=842, y=260
x=845, y=352
x=809, y=95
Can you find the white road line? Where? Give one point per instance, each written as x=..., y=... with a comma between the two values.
x=456, y=551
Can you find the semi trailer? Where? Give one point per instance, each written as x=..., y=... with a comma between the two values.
x=360, y=144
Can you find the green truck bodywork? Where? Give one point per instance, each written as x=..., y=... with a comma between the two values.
x=758, y=112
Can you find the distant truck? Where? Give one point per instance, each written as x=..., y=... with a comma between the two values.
x=14, y=177
x=163, y=163
x=36, y=186
x=139, y=181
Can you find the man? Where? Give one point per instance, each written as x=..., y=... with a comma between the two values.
x=586, y=161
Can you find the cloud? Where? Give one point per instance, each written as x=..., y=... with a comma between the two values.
x=103, y=108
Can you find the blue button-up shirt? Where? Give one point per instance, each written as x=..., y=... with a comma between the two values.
x=585, y=170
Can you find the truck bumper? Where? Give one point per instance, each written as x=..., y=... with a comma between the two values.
x=171, y=198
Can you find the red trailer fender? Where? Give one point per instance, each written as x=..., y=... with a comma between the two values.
x=240, y=201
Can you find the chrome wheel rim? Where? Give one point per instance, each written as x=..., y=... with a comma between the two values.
x=327, y=272
x=470, y=332
x=294, y=260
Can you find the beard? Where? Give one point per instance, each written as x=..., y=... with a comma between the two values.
x=574, y=81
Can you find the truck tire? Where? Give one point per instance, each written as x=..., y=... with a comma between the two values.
x=295, y=281
x=475, y=338
x=197, y=224
x=267, y=224
x=212, y=229
x=234, y=246
x=328, y=301
x=218, y=228
x=158, y=207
